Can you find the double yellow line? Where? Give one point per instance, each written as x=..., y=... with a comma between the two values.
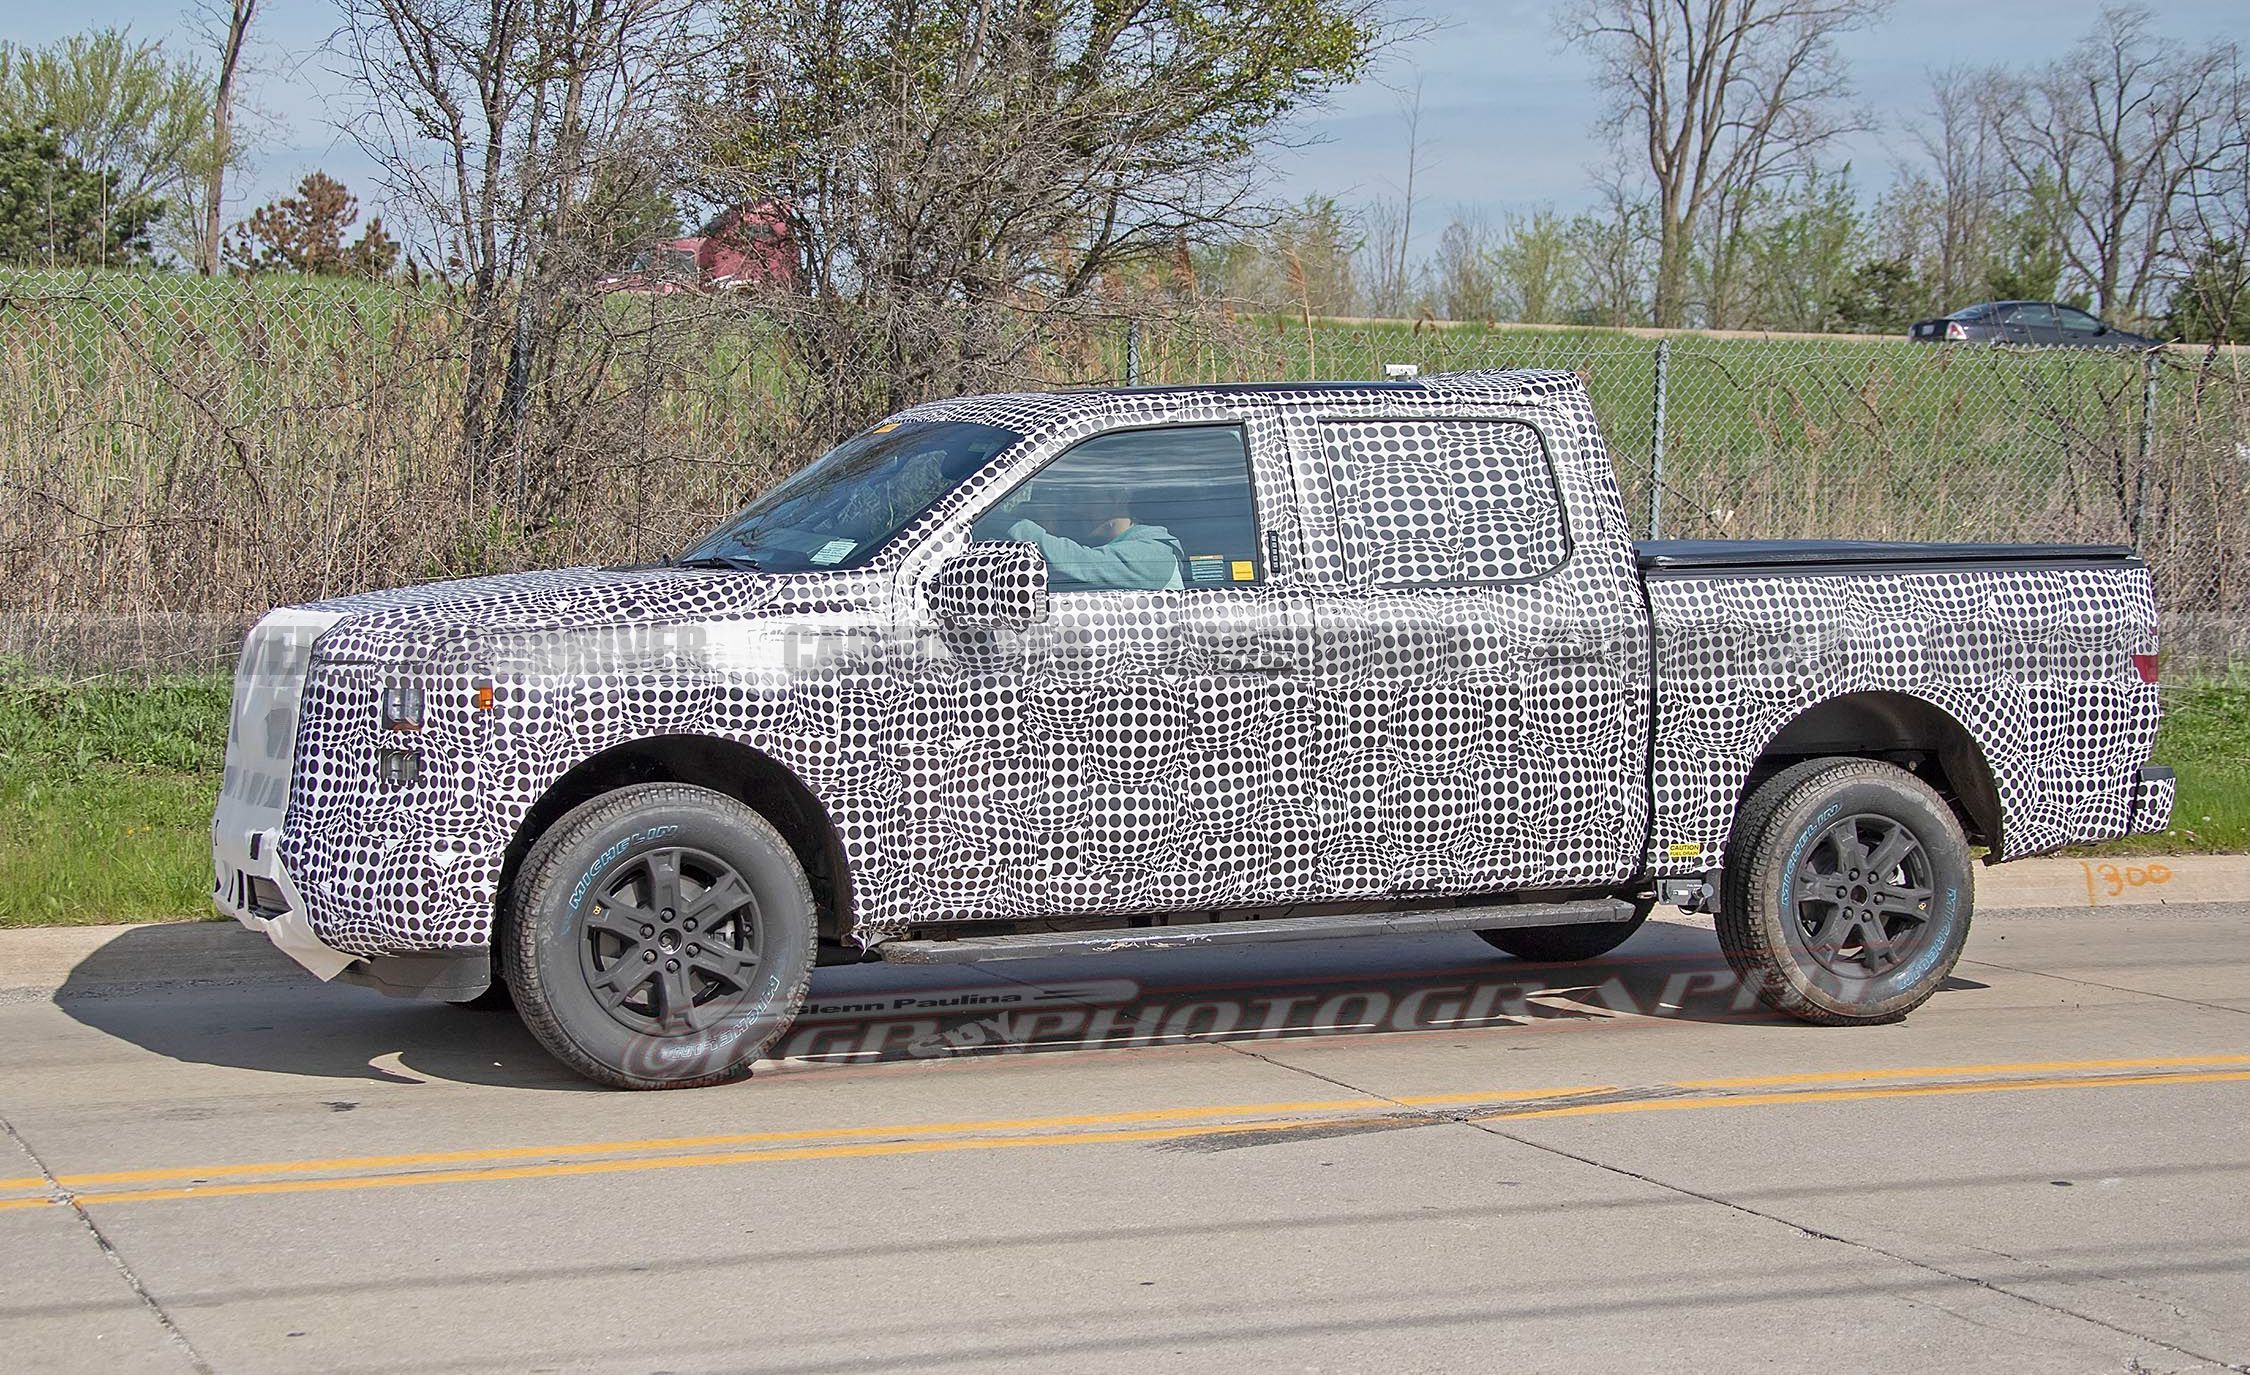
x=1186, y=1123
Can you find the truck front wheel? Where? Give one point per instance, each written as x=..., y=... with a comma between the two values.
x=662, y=937
x=1847, y=893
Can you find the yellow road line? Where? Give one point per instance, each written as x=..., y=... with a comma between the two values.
x=1758, y=1100
x=2019, y=1067
x=1032, y=1124
x=861, y=1150
x=674, y=1143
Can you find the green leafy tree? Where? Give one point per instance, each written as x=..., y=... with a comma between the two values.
x=1880, y=297
x=305, y=233
x=2212, y=306
x=1792, y=253
x=2027, y=261
x=57, y=212
x=118, y=103
x=1537, y=266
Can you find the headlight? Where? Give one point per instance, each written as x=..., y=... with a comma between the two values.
x=402, y=708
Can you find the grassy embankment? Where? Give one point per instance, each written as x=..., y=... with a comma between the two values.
x=106, y=789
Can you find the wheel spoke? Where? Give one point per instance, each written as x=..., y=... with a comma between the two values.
x=664, y=881
x=728, y=965
x=1876, y=949
x=678, y=993
x=1901, y=901
x=1851, y=851
x=1811, y=880
x=1835, y=927
x=1890, y=853
x=619, y=920
x=726, y=896
x=617, y=984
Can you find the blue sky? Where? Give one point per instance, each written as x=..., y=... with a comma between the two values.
x=1506, y=109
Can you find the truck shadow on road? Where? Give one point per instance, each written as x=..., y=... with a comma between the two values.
x=271, y=1018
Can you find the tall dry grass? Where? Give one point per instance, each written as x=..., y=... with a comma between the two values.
x=178, y=454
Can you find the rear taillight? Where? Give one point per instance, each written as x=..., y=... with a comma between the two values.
x=1954, y=329
x=2145, y=665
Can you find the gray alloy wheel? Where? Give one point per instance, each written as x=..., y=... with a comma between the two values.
x=1847, y=892
x=662, y=937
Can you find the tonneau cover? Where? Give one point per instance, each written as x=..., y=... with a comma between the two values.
x=1667, y=555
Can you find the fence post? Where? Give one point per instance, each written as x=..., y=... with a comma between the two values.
x=1132, y=353
x=2150, y=371
x=1656, y=441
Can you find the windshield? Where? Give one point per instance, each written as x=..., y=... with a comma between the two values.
x=845, y=505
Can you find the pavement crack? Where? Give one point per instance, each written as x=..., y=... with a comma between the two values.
x=1484, y=1123
x=65, y=1198
x=1817, y=1234
x=2113, y=988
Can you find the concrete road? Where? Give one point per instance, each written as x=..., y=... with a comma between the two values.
x=1382, y=1154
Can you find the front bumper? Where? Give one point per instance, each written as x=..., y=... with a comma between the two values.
x=255, y=889
x=249, y=881
x=2153, y=794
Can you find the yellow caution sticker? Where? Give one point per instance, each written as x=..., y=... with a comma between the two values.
x=885, y=428
x=1683, y=849
x=1245, y=571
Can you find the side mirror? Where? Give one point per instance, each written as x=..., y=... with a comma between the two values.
x=997, y=586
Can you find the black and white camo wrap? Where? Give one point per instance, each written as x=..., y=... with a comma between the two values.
x=1381, y=714
x=2036, y=664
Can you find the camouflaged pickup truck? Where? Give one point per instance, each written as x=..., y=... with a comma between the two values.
x=1166, y=667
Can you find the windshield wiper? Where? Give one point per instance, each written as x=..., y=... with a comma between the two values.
x=742, y=562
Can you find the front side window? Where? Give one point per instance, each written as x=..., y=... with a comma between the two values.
x=1445, y=501
x=1139, y=510
x=843, y=507
x=2078, y=321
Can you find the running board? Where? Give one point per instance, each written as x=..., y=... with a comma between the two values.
x=1035, y=944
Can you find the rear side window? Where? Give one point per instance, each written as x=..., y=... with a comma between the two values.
x=1445, y=501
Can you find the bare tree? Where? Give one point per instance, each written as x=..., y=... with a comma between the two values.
x=239, y=15
x=1464, y=280
x=1616, y=249
x=2212, y=230
x=1410, y=108
x=1958, y=146
x=2124, y=126
x=1392, y=283
x=524, y=139
x=1722, y=96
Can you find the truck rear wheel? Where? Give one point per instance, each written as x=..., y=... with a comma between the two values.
x=1847, y=894
x=662, y=937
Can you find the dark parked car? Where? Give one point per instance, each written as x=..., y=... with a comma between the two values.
x=2028, y=322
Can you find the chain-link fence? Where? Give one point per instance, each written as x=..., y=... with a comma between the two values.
x=1754, y=437
x=177, y=454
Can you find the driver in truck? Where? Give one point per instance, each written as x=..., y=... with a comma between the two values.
x=1118, y=552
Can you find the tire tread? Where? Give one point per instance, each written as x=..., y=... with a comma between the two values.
x=1756, y=957
x=522, y=971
